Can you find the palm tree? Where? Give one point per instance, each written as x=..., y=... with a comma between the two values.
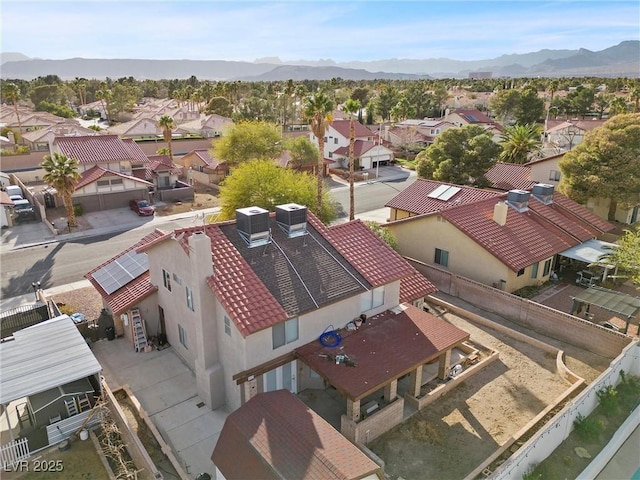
x=167, y=124
x=351, y=107
x=61, y=172
x=518, y=142
x=318, y=110
x=11, y=92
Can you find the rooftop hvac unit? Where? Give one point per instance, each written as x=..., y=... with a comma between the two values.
x=292, y=219
x=518, y=200
x=252, y=224
x=544, y=193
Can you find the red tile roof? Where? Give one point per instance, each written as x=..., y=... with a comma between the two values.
x=96, y=172
x=510, y=176
x=573, y=209
x=342, y=127
x=540, y=160
x=208, y=160
x=374, y=259
x=360, y=147
x=388, y=346
x=276, y=436
x=99, y=149
x=415, y=287
x=134, y=291
x=162, y=163
x=415, y=199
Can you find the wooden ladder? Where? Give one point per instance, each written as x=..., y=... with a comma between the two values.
x=72, y=406
x=84, y=403
x=139, y=334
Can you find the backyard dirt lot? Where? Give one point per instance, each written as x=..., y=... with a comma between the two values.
x=456, y=433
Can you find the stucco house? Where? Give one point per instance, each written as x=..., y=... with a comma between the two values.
x=509, y=240
x=114, y=171
x=199, y=166
x=39, y=140
x=139, y=129
x=566, y=134
x=336, y=146
x=207, y=126
x=245, y=302
x=461, y=117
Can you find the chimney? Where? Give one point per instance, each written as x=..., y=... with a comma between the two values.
x=543, y=193
x=200, y=254
x=252, y=224
x=518, y=200
x=500, y=213
x=292, y=219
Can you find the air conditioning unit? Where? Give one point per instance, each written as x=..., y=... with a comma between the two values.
x=518, y=200
x=544, y=193
x=292, y=219
x=252, y=224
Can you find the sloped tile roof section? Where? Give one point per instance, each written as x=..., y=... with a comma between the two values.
x=360, y=147
x=526, y=237
x=99, y=149
x=134, y=291
x=275, y=435
x=398, y=341
x=342, y=127
x=574, y=209
x=415, y=198
x=509, y=176
x=96, y=172
x=302, y=273
x=415, y=287
x=374, y=259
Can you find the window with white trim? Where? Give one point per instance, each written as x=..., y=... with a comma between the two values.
x=372, y=299
x=441, y=257
x=166, y=279
x=227, y=325
x=182, y=334
x=554, y=175
x=284, y=332
x=547, y=268
x=534, y=270
x=189, y=294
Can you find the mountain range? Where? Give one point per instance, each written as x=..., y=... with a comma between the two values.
x=622, y=60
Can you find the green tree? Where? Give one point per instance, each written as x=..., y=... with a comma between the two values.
x=263, y=184
x=460, y=156
x=530, y=107
x=351, y=107
x=625, y=256
x=11, y=93
x=219, y=106
x=302, y=150
x=383, y=233
x=617, y=106
x=248, y=140
x=387, y=98
x=505, y=104
x=317, y=111
x=166, y=124
x=61, y=172
x=605, y=164
x=520, y=141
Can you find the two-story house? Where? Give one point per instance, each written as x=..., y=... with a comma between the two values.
x=367, y=152
x=247, y=304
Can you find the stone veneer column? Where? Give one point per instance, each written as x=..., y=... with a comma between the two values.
x=445, y=365
x=353, y=409
x=391, y=391
x=415, y=381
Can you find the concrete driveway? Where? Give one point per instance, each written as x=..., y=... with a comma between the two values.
x=166, y=389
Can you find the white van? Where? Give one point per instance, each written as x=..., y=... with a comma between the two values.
x=13, y=190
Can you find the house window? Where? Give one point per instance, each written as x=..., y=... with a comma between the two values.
x=326, y=139
x=189, y=293
x=330, y=154
x=182, y=333
x=227, y=325
x=520, y=272
x=166, y=279
x=441, y=257
x=554, y=175
x=177, y=279
x=335, y=141
x=284, y=333
x=547, y=268
x=372, y=299
x=534, y=270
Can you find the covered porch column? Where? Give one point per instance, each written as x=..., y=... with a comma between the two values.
x=391, y=391
x=415, y=381
x=353, y=409
x=444, y=365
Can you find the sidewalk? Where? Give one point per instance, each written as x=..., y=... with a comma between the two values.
x=103, y=222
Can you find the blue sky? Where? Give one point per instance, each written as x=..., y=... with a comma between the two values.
x=342, y=30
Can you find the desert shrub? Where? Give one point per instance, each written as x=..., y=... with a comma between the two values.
x=588, y=428
x=609, y=400
x=78, y=209
x=532, y=474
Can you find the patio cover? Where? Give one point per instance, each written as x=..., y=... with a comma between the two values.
x=616, y=302
x=390, y=345
x=42, y=357
x=589, y=251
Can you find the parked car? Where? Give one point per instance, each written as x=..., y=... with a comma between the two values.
x=142, y=208
x=15, y=198
x=13, y=190
x=24, y=211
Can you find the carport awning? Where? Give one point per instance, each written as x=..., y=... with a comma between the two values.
x=616, y=302
x=589, y=251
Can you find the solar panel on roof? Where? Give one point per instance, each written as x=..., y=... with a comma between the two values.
x=438, y=191
x=448, y=193
x=121, y=271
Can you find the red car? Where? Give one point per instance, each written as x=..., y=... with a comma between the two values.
x=142, y=208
